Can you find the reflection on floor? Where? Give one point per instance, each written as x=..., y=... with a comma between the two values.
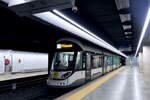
x=127, y=85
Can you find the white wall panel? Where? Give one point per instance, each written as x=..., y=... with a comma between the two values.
x=28, y=61
x=2, y=66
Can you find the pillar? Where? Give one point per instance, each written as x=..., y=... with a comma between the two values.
x=140, y=61
x=146, y=63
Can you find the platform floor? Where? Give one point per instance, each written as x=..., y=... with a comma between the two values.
x=125, y=85
x=6, y=77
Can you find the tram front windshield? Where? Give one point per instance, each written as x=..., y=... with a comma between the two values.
x=63, y=61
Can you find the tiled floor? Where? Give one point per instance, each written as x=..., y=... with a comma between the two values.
x=127, y=85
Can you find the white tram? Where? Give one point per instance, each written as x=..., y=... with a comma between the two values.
x=75, y=63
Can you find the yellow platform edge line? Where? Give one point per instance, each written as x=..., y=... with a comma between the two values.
x=91, y=87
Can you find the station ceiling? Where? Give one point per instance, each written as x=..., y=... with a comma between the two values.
x=119, y=22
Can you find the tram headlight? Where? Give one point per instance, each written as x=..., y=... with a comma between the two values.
x=67, y=74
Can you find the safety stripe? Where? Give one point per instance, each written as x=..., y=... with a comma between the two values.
x=91, y=87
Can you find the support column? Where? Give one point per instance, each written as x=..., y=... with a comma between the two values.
x=140, y=61
x=146, y=63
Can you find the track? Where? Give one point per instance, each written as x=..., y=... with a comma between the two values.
x=38, y=91
x=21, y=82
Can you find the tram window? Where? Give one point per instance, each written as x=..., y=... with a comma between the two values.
x=63, y=61
x=79, y=61
x=100, y=61
x=116, y=60
x=95, y=61
x=105, y=61
x=109, y=60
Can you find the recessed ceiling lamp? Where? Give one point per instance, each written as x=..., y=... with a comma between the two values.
x=127, y=33
x=126, y=27
x=128, y=37
x=125, y=17
x=82, y=28
x=71, y=26
x=58, y=19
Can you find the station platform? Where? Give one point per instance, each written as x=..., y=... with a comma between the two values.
x=125, y=83
x=9, y=76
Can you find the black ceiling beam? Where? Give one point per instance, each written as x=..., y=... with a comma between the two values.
x=106, y=18
x=126, y=23
x=124, y=11
x=3, y=4
x=128, y=30
x=38, y=6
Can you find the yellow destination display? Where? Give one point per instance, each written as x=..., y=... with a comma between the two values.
x=64, y=46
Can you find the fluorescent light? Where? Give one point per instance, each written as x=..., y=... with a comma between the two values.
x=125, y=17
x=54, y=19
x=122, y=4
x=75, y=29
x=81, y=27
x=128, y=33
x=6, y=1
x=126, y=27
x=143, y=31
x=17, y=2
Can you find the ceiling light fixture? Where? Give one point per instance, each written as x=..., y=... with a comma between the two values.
x=72, y=27
x=79, y=26
x=143, y=31
x=128, y=33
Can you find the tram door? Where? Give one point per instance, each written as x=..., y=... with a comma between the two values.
x=88, y=67
x=122, y=61
x=105, y=64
